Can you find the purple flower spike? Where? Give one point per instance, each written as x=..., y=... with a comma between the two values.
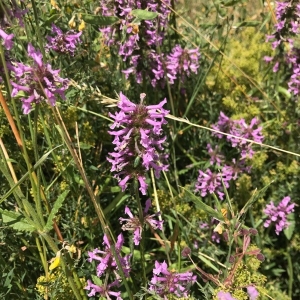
x=39, y=81
x=278, y=214
x=106, y=259
x=139, y=142
x=63, y=42
x=210, y=182
x=165, y=282
x=7, y=39
x=134, y=223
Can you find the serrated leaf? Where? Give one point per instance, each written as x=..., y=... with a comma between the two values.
x=16, y=221
x=144, y=14
x=57, y=205
x=99, y=20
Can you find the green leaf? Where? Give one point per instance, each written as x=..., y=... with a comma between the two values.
x=144, y=14
x=201, y=205
x=99, y=20
x=57, y=205
x=97, y=280
x=247, y=24
x=26, y=175
x=51, y=19
x=288, y=232
x=231, y=2
x=16, y=221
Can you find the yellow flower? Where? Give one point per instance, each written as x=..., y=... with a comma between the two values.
x=81, y=26
x=72, y=23
x=55, y=262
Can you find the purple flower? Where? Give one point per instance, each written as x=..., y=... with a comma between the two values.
x=38, y=81
x=104, y=290
x=278, y=214
x=139, y=142
x=215, y=157
x=211, y=182
x=106, y=258
x=164, y=282
x=63, y=42
x=225, y=296
x=180, y=63
x=239, y=129
x=7, y=39
x=134, y=223
x=252, y=292
x=9, y=14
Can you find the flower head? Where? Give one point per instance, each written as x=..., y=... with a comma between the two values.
x=38, y=81
x=63, y=42
x=278, y=214
x=139, y=142
x=106, y=258
x=224, y=296
x=104, y=290
x=165, y=282
x=7, y=39
x=134, y=224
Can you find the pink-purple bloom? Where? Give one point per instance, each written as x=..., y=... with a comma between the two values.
x=38, y=81
x=285, y=31
x=239, y=130
x=7, y=39
x=180, y=63
x=104, y=290
x=134, y=223
x=212, y=182
x=165, y=282
x=137, y=43
x=105, y=259
x=139, y=142
x=278, y=214
x=64, y=43
x=224, y=296
x=252, y=292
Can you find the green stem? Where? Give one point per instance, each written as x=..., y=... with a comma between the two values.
x=76, y=289
x=37, y=27
x=142, y=243
x=64, y=133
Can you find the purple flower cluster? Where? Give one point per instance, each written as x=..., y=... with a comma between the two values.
x=165, y=282
x=64, y=43
x=7, y=39
x=278, y=214
x=211, y=181
x=138, y=142
x=251, y=290
x=134, y=223
x=107, y=263
x=10, y=13
x=240, y=129
x=286, y=30
x=224, y=296
x=38, y=82
x=138, y=42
